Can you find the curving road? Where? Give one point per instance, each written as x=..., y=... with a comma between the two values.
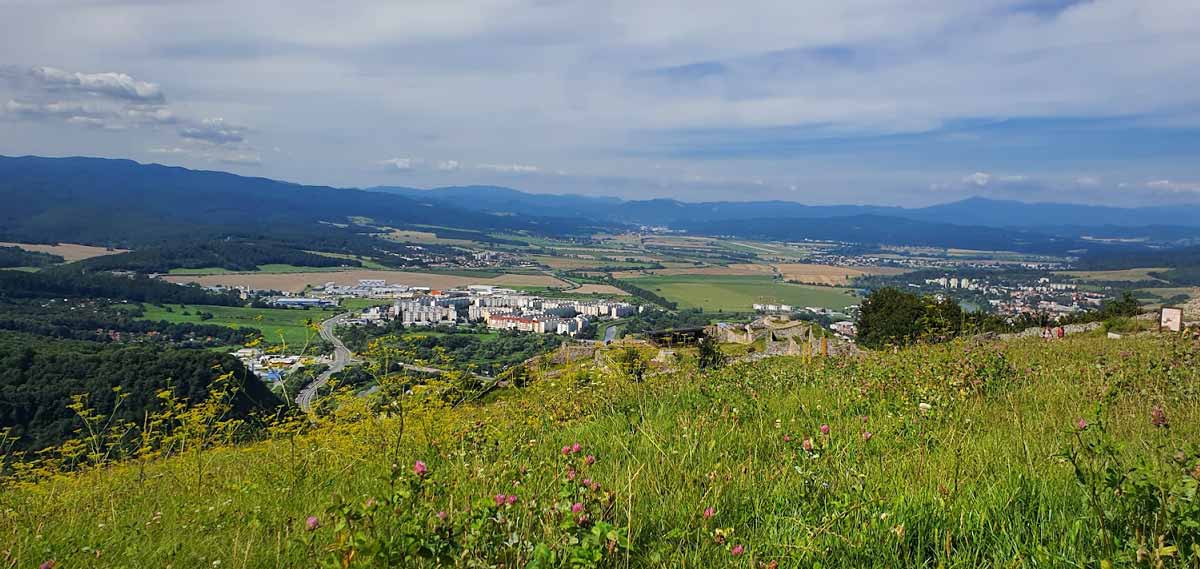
x=341, y=357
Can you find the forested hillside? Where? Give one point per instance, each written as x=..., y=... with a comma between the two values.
x=123, y=203
x=39, y=379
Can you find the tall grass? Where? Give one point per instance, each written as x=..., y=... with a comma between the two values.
x=976, y=456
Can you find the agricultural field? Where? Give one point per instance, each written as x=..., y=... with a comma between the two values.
x=275, y=268
x=1123, y=275
x=739, y=293
x=298, y=281
x=576, y=263
x=739, y=269
x=1157, y=296
x=828, y=275
x=278, y=325
x=68, y=251
x=1020, y=454
x=591, y=288
x=410, y=236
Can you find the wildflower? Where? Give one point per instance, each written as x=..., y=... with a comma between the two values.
x=586, y=482
x=925, y=407
x=570, y=474
x=864, y=418
x=594, y=486
x=1158, y=417
x=576, y=447
x=566, y=450
x=576, y=508
x=369, y=503
x=512, y=499
x=582, y=520
x=48, y=564
x=737, y=550
x=787, y=438
x=441, y=515
x=499, y=499
x=709, y=512
x=867, y=435
x=825, y=430
x=312, y=523
x=420, y=469
x=1081, y=424
x=589, y=460
x=807, y=445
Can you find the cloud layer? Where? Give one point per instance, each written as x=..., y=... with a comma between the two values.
x=885, y=101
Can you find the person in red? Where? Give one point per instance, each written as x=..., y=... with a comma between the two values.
x=1061, y=332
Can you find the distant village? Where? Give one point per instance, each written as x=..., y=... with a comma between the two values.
x=1043, y=296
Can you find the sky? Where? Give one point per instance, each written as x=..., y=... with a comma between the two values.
x=896, y=102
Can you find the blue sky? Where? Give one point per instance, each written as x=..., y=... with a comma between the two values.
x=905, y=102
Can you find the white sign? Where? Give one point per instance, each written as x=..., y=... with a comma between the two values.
x=1172, y=319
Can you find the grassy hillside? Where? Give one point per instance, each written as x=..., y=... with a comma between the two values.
x=1078, y=453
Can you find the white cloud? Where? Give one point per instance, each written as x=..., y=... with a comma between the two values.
x=509, y=168
x=983, y=179
x=448, y=165
x=116, y=85
x=401, y=164
x=241, y=159
x=214, y=131
x=980, y=179
x=151, y=115
x=167, y=150
x=1173, y=186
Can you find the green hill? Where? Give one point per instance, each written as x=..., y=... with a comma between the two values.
x=1077, y=453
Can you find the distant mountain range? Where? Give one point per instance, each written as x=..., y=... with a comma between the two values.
x=124, y=203
x=975, y=211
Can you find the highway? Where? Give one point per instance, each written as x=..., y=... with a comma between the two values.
x=341, y=357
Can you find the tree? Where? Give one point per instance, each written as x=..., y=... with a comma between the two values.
x=942, y=320
x=890, y=317
x=711, y=355
x=1127, y=306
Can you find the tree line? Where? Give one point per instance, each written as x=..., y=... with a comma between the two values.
x=233, y=255
x=18, y=257
x=75, y=282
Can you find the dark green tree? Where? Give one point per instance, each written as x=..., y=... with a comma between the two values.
x=890, y=317
x=711, y=355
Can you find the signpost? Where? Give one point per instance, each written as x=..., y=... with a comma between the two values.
x=1171, y=319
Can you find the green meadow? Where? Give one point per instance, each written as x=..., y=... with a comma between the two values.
x=1076, y=453
x=739, y=293
x=278, y=325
